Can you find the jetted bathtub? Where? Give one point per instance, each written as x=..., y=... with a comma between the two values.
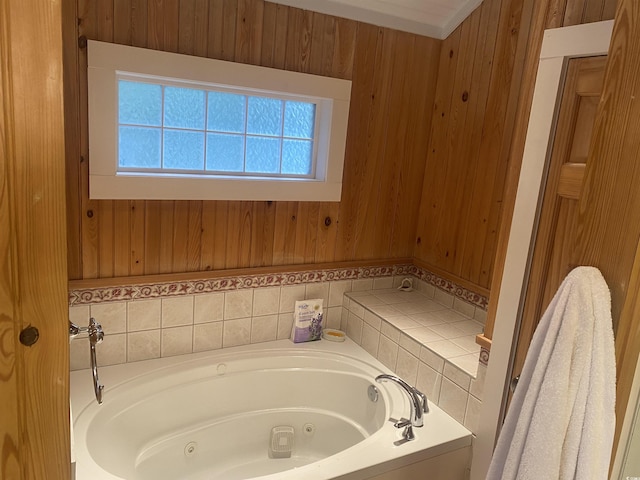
x=212, y=415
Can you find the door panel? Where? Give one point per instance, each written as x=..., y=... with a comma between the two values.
x=554, y=250
x=34, y=380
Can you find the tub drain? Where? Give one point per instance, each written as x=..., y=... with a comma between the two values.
x=281, y=442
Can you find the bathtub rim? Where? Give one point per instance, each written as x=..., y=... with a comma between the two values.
x=455, y=436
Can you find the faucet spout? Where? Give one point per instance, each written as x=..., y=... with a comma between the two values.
x=418, y=401
x=96, y=335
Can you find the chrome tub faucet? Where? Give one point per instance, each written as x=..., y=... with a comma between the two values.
x=417, y=403
x=96, y=335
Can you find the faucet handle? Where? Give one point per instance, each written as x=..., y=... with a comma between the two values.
x=96, y=334
x=403, y=422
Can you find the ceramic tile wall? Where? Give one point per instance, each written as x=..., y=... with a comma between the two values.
x=456, y=388
x=160, y=327
x=149, y=321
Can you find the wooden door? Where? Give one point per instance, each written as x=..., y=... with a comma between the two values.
x=34, y=380
x=554, y=250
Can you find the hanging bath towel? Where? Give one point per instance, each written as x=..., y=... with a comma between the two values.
x=561, y=420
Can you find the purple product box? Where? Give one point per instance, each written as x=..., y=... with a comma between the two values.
x=307, y=321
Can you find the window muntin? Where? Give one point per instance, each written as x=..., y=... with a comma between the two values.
x=167, y=127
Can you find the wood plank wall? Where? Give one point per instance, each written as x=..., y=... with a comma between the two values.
x=394, y=77
x=34, y=379
x=477, y=107
x=429, y=144
x=546, y=14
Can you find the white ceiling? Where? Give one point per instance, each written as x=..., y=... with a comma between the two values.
x=433, y=18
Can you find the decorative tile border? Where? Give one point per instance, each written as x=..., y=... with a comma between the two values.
x=448, y=286
x=169, y=289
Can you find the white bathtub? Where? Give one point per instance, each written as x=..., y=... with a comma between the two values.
x=210, y=416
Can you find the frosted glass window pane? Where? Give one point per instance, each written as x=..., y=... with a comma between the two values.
x=183, y=108
x=296, y=157
x=139, y=147
x=183, y=150
x=263, y=155
x=139, y=103
x=226, y=112
x=264, y=116
x=225, y=152
x=299, y=119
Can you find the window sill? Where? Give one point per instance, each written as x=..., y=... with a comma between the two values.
x=134, y=187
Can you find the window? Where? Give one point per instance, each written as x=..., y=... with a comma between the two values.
x=169, y=126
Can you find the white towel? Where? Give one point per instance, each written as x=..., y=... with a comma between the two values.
x=561, y=420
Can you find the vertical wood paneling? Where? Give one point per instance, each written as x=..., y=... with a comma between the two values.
x=394, y=84
x=323, y=44
x=436, y=170
x=305, y=246
x=104, y=12
x=72, y=134
x=393, y=160
x=194, y=240
x=609, y=223
x=11, y=462
x=207, y=238
x=588, y=11
x=573, y=12
x=496, y=132
x=479, y=81
x=267, y=44
x=87, y=20
x=249, y=31
x=121, y=240
x=238, y=229
x=284, y=239
x=280, y=42
x=152, y=237
x=200, y=28
x=517, y=46
x=138, y=23
x=171, y=35
x=441, y=147
x=181, y=235
x=137, y=224
x=215, y=33
x=106, y=246
x=406, y=207
x=343, y=52
x=609, y=9
x=220, y=235
x=122, y=29
x=229, y=15
x=155, y=24
x=354, y=211
x=186, y=24
x=460, y=172
x=34, y=381
x=477, y=99
x=165, y=260
x=262, y=228
x=548, y=14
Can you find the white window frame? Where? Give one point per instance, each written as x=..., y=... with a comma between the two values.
x=106, y=61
